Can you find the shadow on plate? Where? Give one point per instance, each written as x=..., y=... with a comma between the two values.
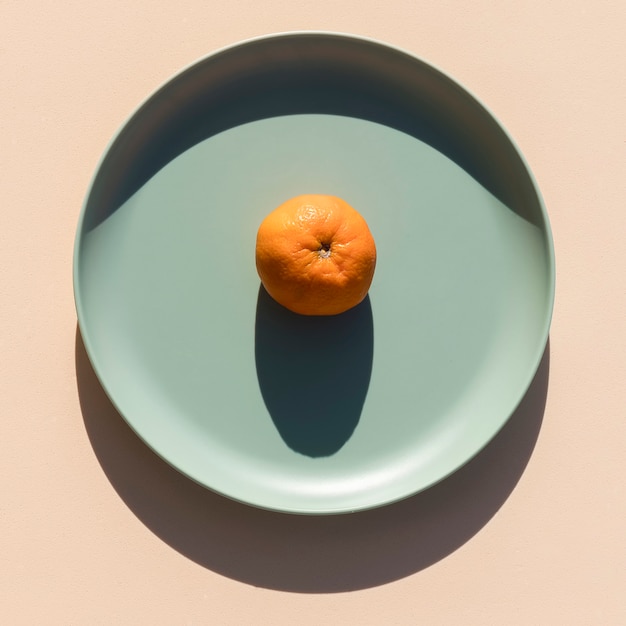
x=311, y=74
x=300, y=553
x=296, y=355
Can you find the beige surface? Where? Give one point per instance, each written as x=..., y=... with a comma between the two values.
x=95, y=530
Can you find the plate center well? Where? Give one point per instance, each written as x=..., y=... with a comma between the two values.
x=171, y=288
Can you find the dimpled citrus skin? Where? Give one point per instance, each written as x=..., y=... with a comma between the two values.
x=315, y=255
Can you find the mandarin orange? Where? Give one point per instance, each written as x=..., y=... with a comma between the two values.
x=315, y=255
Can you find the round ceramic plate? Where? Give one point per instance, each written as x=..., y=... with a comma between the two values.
x=304, y=414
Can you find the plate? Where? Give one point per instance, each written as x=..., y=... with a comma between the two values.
x=303, y=414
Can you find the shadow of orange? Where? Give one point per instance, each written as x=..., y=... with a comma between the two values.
x=296, y=356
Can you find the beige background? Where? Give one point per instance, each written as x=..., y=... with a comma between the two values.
x=95, y=530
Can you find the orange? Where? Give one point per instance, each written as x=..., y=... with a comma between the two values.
x=315, y=255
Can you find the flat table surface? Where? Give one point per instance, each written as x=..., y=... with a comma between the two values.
x=96, y=529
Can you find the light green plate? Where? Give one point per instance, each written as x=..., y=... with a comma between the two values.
x=314, y=415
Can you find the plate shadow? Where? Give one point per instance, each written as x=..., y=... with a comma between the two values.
x=309, y=554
